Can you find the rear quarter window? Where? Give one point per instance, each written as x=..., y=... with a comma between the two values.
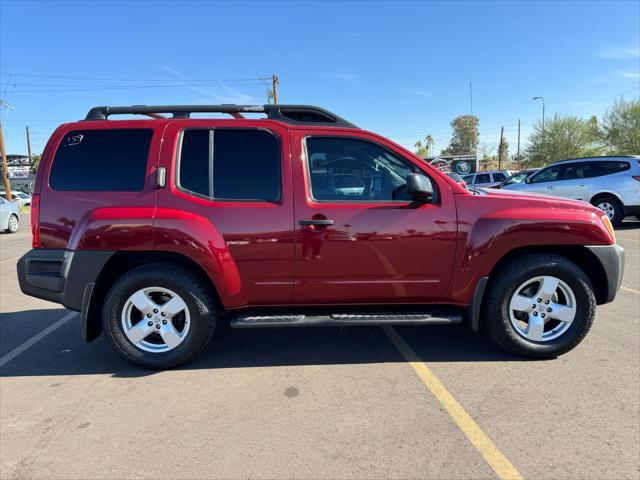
x=607, y=168
x=110, y=160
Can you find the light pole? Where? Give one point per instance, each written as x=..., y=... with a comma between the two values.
x=541, y=98
x=543, y=134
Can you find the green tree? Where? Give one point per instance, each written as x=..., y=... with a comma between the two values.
x=424, y=149
x=620, y=129
x=464, y=139
x=35, y=161
x=563, y=137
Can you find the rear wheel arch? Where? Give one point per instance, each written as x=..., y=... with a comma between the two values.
x=124, y=261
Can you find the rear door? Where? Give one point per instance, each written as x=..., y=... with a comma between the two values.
x=574, y=180
x=228, y=205
x=366, y=243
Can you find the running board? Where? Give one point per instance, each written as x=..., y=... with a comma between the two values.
x=345, y=319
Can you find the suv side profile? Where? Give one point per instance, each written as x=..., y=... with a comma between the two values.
x=157, y=229
x=486, y=179
x=610, y=183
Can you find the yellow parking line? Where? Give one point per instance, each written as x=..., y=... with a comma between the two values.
x=492, y=455
x=632, y=290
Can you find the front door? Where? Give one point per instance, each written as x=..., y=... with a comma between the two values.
x=574, y=177
x=359, y=239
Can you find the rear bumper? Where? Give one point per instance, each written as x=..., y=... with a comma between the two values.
x=60, y=276
x=611, y=258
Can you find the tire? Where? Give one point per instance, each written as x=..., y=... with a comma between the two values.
x=611, y=206
x=558, y=337
x=13, y=223
x=189, y=330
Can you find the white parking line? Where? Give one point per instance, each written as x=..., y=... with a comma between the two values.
x=35, y=339
x=9, y=259
x=632, y=290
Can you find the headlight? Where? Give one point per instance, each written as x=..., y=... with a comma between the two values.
x=609, y=227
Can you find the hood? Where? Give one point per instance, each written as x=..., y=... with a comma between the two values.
x=538, y=199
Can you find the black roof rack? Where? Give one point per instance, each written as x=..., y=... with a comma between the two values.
x=292, y=114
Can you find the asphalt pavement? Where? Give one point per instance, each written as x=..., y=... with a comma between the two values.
x=365, y=402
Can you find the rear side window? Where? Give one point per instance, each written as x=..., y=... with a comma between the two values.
x=483, y=178
x=608, y=168
x=112, y=160
x=231, y=164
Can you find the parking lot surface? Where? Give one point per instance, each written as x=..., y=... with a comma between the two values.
x=366, y=402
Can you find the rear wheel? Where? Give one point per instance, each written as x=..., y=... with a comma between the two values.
x=540, y=305
x=159, y=316
x=611, y=206
x=13, y=224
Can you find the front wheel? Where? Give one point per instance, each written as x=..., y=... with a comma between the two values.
x=540, y=305
x=159, y=316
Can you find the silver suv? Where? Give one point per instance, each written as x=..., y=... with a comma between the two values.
x=610, y=183
x=486, y=179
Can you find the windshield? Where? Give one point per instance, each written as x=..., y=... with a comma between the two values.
x=517, y=178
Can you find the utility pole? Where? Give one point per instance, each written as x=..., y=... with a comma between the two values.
x=28, y=145
x=274, y=80
x=5, y=167
x=500, y=148
x=518, y=156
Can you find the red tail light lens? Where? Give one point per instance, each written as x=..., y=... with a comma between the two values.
x=35, y=221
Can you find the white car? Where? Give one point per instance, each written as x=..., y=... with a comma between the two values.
x=610, y=183
x=486, y=179
x=23, y=199
x=9, y=216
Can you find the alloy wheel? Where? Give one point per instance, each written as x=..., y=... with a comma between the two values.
x=155, y=319
x=542, y=308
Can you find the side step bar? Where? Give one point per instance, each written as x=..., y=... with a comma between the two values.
x=345, y=319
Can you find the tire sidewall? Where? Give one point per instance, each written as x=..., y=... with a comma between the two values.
x=112, y=322
x=581, y=323
x=618, y=215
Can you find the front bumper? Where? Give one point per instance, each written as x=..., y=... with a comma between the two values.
x=611, y=258
x=60, y=276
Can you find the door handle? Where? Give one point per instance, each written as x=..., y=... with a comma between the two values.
x=549, y=187
x=317, y=223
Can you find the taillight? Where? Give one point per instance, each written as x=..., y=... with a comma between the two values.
x=637, y=177
x=35, y=221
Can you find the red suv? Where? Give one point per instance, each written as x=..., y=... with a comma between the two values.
x=156, y=229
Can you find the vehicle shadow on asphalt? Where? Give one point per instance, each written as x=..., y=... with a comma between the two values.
x=63, y=352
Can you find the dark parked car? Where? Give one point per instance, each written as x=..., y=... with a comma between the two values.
x=158, y=229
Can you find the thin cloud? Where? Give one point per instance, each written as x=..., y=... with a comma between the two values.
x=618, y=75
x=620, y=53
x=420, y=93
x=234, y=96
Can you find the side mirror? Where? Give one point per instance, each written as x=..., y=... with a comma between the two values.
x=419, y=186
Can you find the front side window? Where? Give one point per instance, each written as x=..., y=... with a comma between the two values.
x=547, y=175
x=347, y=169
x=499, y=177
x=230, y=164
x=101, y=160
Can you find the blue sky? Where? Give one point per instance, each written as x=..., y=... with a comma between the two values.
x=401, y=69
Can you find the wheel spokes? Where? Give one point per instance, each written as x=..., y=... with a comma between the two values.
x=563, y=313
x=535, y=328
x=170, y=335
x=548, y=287
x=173, y=307
x=143, y=303
x=521, y=303
x=139, y=331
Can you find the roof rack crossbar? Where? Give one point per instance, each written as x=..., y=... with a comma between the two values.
x=292, y=114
